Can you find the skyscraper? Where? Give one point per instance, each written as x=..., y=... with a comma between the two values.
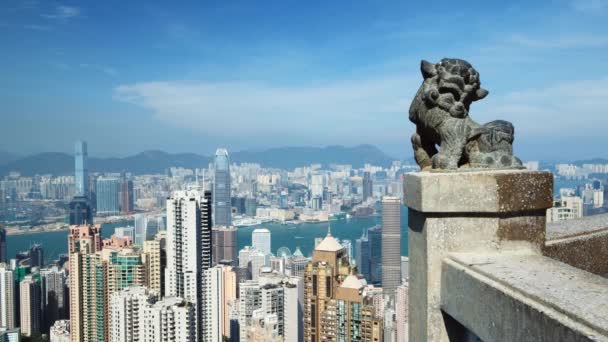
x=362, y=256
x=367, y=185
x=321, y=278
x=336, y=307
x=221, y=189
x=170, y=320
x=81, y=169
x=224, y=246
x=108, y=190
x=2, y=245
x=36, y=255
x=80, y=211
x=54, y=296
x=260, y=240
x=391, y=245
x=126, y=314
x=401, y=312
x=374, y=235
x=8, y=306
x=188, y=248
x=141, y=224
x=219, y=292
x=86, y=284
x=155, y=260
x=126, y=197
x=30, y=306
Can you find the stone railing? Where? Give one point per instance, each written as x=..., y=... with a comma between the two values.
x=480, y=268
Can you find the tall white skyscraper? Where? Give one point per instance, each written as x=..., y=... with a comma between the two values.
x=8, y=309
x=188, y=248
x=221, y=189
x=391, y=245
x=260, y=240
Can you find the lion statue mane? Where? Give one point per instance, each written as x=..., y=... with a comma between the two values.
x=440, y=111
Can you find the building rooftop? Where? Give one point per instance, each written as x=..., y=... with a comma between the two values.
x=329, y=244
x=354, y=282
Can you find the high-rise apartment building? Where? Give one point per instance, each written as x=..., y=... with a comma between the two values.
x=336, y=307
x=219, y=294
x=188, y=248
x=30, y=306
x=260, y=240
x=170, y=320
x=328, y=268
x=98, y=269
x=8, y=305
x=349, y=315
x=81, y=166
x=391, y=245
x=54, y=295
x=225, y=245
x=108, y=196
x=86, y=284
x=126, y=314
x=401, y=312
x=154, y=258
x=221, y=189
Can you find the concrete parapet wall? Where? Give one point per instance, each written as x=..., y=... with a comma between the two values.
x=582, y=243
x=521, y=297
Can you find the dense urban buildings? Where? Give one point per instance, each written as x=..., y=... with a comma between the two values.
x=336, y=306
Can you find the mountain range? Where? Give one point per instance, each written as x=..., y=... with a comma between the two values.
x=148, y=162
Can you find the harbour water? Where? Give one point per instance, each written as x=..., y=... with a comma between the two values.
x=290, y=236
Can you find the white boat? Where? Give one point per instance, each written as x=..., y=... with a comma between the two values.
x=246, y=222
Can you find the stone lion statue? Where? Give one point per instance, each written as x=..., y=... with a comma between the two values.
x=440, y=111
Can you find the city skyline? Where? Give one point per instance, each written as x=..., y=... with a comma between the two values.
x=250, y=69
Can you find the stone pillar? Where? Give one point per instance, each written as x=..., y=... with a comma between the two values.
x=469, y=211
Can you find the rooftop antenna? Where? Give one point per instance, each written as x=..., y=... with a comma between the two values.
x=328, y=227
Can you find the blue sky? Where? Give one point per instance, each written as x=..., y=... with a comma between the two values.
x=129, y=76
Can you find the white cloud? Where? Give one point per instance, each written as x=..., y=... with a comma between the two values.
x=569, y=108
x=343, y=111
x=63, y=12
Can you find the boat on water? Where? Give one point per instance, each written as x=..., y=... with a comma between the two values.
x=247, y=222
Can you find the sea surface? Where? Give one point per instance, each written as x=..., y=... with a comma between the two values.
x=290, y=236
